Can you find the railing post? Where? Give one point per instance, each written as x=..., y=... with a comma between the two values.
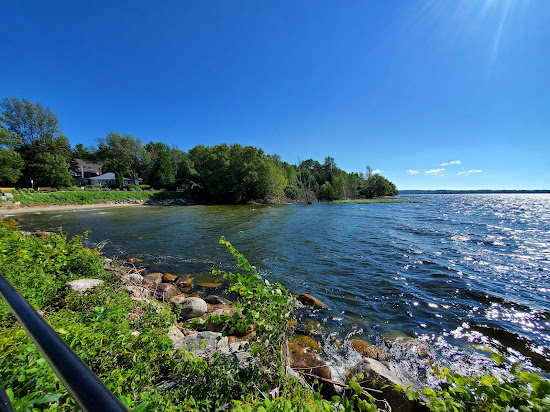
x=84, y=386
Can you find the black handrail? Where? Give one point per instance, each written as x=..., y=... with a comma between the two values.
x=84, y=386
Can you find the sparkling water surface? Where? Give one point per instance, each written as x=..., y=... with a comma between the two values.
x=459, y=272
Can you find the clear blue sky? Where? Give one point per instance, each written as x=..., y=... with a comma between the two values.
x=404, y=86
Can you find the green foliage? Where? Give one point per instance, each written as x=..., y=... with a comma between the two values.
x=524, y=391
x=81, y=197
x=10, y=166
x=161, y=172
x=378, y=186
x=49, y=169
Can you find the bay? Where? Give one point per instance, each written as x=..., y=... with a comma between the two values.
x=458, y=272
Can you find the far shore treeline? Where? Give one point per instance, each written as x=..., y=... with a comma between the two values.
x=32, y=146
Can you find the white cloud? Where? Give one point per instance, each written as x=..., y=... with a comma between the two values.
x=434, y=172
x=377, y=171
x=412, y=172
x=453, y=162
x=469, y=172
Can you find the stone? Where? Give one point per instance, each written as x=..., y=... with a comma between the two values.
x=82, y=285
x=220, y=326
x=3, y=197
x=303, y=342
x=151, y=281
x=165, y=291
x=176, y=300
x=411, y=346
x=192, y=308
x=210, y=285
x=168, y=277
x=138, y=292
x=238, y=353
x=8, y=195
x=202, y=344
x=134, y=279
x=368, y=350
x=174, y=334
x=310, y=301
x=156, y=275
x=184, y=284
x=309, y=363
x=215, y=300
x=376, y=375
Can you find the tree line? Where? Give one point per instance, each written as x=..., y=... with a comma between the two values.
x=32, y=146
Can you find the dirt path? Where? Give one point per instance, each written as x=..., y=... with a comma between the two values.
x=17, y=210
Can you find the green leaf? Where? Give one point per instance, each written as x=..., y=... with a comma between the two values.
x=142, y=407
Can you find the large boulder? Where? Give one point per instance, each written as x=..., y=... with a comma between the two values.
x=192, y=308
x=165, y=291
x=8, y=195
x=310, y=301
x=373, y=374
x=82, y=285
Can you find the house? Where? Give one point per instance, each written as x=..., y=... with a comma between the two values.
x=84, y=169
x=109, y=180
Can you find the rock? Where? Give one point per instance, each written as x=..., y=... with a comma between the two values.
x=377, y=376
x=3, y=197
x=192, y=308
x=238, y=354
x=310, y=301
x=8, y=195
x=138, y=292
x=135, y=333
x=156, y=275
x=165, y=291
x=212, y=308
x=309, y=363
x=215, y=300
x=411, y=346
x=194, y=295
x=202, y=344
x=176, y=300
x=220, y=326
x=151, y=281
x=368, y=350
x=174, y=334
x=168, y=277
x=134, y=260
x=132, y=279
x=184, y=284
x=299, y=342
x=210, y=285
x=82, y=285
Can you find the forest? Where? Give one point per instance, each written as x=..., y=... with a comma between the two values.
x=32, y=146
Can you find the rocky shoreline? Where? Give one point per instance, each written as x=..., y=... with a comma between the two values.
x=201, y=330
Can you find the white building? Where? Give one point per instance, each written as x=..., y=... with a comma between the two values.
x=109, y=179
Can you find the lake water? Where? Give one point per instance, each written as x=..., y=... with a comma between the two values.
x=459, y=272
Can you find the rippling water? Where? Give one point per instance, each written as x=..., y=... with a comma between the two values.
x=455, y=271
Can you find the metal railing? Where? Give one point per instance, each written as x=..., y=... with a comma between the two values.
x=83, y=385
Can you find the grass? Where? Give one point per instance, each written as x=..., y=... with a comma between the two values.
x=91, y=197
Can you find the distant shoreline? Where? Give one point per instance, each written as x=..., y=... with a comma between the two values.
x=474, y=192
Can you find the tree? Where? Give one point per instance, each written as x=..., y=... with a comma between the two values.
x=30, y=122
x=10, y=166
x=377, y=186
x=162, y=170
x=49, y=169
x=85, y=153
x=121, y=153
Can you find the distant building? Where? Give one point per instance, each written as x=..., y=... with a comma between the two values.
x=109, y=179
x=84, y=169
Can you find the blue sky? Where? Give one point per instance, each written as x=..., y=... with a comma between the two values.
x=404, y=86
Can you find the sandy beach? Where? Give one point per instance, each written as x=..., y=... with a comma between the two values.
x=21, y=209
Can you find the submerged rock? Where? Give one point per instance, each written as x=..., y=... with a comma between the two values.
x=303, y=342
x=184, y=284
x=168, y=277
x=82, y=285
x=192, y=308
x=368, y=350
x=310, y=301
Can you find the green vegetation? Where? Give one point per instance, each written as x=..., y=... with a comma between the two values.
x=33, y=147
x=99, y=326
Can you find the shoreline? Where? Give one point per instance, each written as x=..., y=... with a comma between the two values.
x=22, y=209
